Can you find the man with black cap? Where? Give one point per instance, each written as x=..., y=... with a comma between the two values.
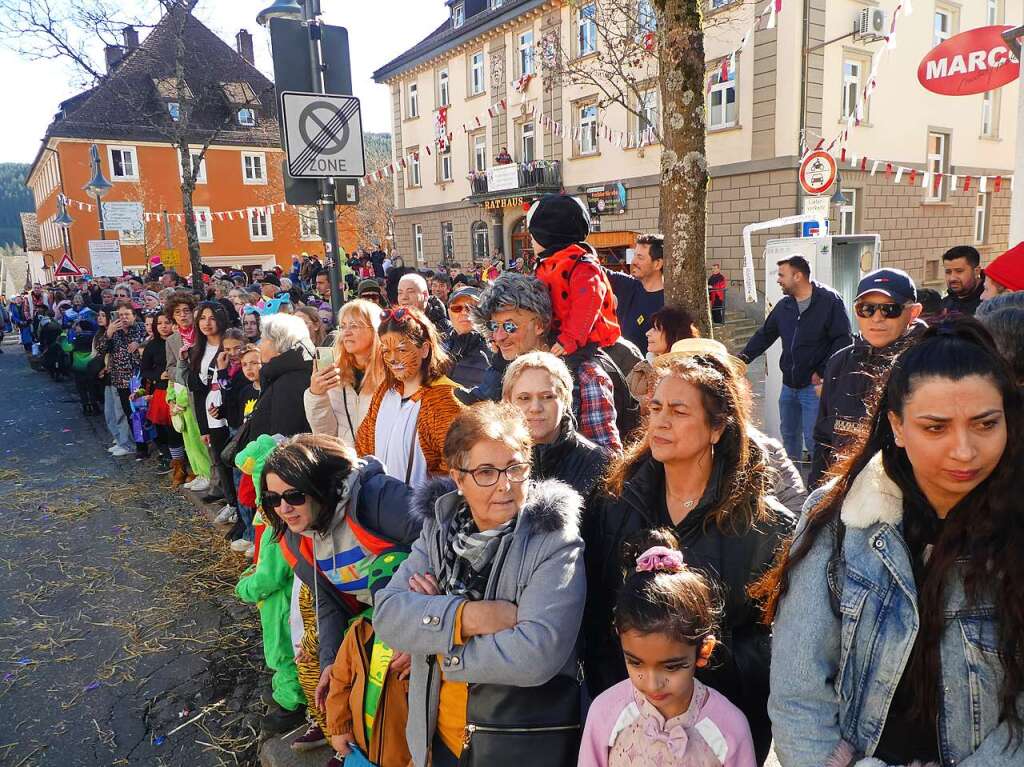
x=887, y=314
x=467, y=348
x=370, y=290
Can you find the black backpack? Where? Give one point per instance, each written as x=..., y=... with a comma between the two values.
x=627, y=408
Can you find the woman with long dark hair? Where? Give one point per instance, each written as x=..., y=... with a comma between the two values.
x=698, y=472
x=899, y=610
x=123, y=341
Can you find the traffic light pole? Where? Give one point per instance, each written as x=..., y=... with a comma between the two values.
x=327, y=194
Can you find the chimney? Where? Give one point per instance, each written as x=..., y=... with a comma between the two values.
x=130, y=36
x=113, y=55
x=243, y=44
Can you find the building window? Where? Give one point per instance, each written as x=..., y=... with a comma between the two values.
x=413, y=109
x=444, y=161
x=586, y=28
x=260, y=227
x=720, y=3
x=495, y=4
x=458, y=15
x=476, y=74
x=417, y=242
x=254, y=168
x=309, y=224
x=721, y=100
x=526, y=53
x=646, y=19
x=588, y=129
x=174, y=110
x=938, y=161
x=481, y=242
x=647, y=119
x=124, y=164
x=527, y=142
x=480, y=152
x=981, y=218
x=443, y=94
x=851, y=87
x=201, y=163
x=990, y=102
x=204, y=223
x=413, y=172
x=247, y=117
x=447, y=241
x=848, y=212
x=943, y=26
x=992, y=12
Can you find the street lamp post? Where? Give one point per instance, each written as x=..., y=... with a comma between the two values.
x=308, y=13
x=98, y=185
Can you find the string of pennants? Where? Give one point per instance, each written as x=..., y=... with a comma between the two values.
x=769, y=17
x=930, y=180
x=221, y=215
x=903, y=8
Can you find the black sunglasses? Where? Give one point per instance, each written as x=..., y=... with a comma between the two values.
x=293, y=497
x=889, y=311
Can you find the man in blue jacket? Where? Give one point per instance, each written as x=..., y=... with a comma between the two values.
x=813, y=324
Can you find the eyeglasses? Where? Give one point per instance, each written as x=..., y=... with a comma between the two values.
x=459, y=309
x=487, y=476
x=353, y=326
x=889, y=311
x=508, y=326
x=291, y=497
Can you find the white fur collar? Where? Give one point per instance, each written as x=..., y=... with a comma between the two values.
x=873, y=498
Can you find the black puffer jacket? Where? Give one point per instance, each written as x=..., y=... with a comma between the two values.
x=471, y=357
x=572, y=458
x=280, y=409
x=739, y=667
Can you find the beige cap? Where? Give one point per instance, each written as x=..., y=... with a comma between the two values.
x=691, y=347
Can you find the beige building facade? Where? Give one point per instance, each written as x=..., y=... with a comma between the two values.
x=791, y=86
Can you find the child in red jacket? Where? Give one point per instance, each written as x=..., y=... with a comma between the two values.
x=582, y=300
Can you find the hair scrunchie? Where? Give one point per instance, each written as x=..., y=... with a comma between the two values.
x=660, y=559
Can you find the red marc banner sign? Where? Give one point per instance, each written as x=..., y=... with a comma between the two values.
x=969, y=63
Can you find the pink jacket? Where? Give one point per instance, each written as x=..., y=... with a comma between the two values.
x=625, y=730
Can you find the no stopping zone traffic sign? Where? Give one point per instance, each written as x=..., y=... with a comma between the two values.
x=323, y=135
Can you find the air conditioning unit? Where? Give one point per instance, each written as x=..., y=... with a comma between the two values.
x=870, y=23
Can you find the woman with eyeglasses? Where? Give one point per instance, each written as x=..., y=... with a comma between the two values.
x=411, y=411
x=333, y=514
x=340, y=393
x=489, y=605
x=467, y=347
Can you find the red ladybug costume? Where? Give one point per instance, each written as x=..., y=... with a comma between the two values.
x=582, y=300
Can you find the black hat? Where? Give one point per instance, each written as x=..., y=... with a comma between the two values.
x=558, y=220
x=271, y=278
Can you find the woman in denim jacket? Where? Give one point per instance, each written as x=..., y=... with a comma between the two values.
x=899, y=634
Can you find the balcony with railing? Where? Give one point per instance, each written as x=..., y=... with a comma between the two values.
x=525, y=179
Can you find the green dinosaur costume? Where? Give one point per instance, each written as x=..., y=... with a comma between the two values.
x=185, y=423
x=268, y=585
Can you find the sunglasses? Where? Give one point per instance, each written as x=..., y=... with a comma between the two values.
x=889, y=311
x=508, y=326
x=398, y=314
x=459, y=309
x=292, y=497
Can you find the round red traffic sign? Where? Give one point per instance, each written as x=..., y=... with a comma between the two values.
x=818, y=172
x=972, y=62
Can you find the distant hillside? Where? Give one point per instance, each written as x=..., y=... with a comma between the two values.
x=15, y=198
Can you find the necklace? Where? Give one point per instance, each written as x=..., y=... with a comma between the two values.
x=686, y=503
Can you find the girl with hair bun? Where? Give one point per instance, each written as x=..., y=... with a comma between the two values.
x=666, y=617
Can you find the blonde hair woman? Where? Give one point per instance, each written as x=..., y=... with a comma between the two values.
x=339, y=395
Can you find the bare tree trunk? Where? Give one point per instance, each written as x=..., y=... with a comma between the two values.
x=188, y=185
x=684, y=165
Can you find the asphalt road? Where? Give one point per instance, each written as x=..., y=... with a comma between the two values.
x=117, y=619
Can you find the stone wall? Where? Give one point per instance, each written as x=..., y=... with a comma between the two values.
x=462, y=216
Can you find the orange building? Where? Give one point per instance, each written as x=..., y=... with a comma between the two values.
x=241, y=215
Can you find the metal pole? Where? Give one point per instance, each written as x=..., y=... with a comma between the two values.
x=327, y=199
x=167, y=230
x=99, y=208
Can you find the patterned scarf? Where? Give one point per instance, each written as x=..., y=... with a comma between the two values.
x=469, y=554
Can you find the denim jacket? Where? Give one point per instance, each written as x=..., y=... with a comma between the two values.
x=833, y=678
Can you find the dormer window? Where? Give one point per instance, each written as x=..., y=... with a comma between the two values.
x=458, y=15
x=247, y=117
x=174, y=110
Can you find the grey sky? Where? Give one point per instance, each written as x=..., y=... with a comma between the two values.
x=378, y=31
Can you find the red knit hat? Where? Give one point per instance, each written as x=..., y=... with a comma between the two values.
x=1008, y=269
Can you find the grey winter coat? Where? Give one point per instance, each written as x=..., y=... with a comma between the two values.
x=539, y=568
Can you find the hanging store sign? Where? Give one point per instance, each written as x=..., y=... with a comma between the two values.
x=504, y=202
x=607, y=200
x=972, y=62
x=501, y=178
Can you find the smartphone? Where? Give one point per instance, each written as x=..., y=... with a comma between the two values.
x=325, y=357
